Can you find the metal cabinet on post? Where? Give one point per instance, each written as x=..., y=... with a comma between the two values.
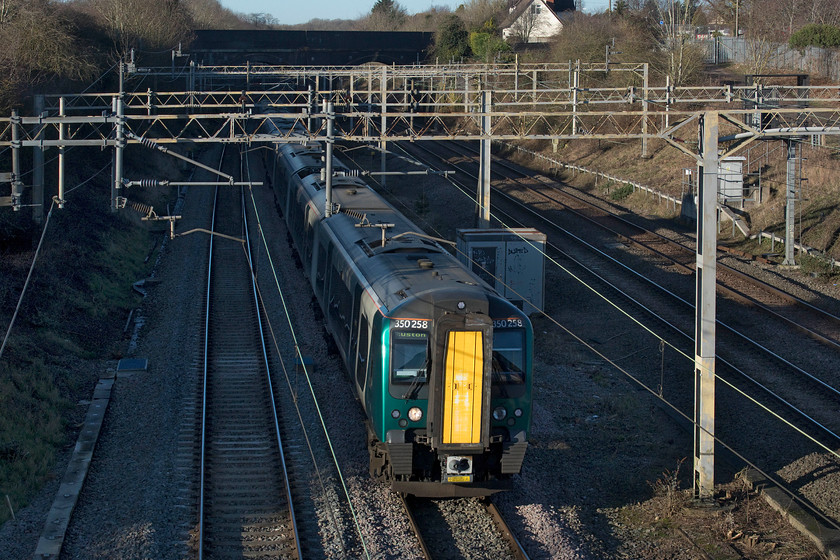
x=510, y=260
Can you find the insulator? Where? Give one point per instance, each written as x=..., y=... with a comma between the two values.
x=141, y=208
x=148, y=143
x=355, y=214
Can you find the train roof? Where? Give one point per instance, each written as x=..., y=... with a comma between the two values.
x=409, y=265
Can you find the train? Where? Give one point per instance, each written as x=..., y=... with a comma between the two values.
x=440, y=362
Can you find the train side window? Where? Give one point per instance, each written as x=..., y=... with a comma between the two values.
x=362, y=353
x=509, y=356
x=355, y=306
x=340, y=309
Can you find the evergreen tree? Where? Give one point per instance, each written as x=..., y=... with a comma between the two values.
x=452, y=42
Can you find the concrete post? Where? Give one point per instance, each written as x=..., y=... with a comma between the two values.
x=534, y=89
x=516, y=80
x=383, y=92
x=645, y=112
x=119, y=149
x=790, y=208
x=38, y=166
x=61, y=135
x=328, y=165
x=575, y=86
x=704, y=334
x=484, y=161
x=17, y=185
x=310, y=105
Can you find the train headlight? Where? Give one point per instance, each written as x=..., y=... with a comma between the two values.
x=415, y=414
x=499, y=413
x=395, y=414
x=518, y=413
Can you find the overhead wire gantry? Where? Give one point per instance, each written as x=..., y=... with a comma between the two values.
x=378, y=104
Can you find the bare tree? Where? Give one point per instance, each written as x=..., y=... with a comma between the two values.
x=826, y=12
x=38, y=45
x=681, y=58
x=475, y=13
x=430, y=20
x=210, y=14
x=761, y=33
x=524, y=25
x=386, y=15
x=262, y=20
x=791, y=10
x=584, y=39
x=150, y=24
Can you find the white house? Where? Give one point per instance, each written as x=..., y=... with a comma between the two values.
x=531, y=21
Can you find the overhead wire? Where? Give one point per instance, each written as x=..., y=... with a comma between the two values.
x=279, y=352
x=666, y=402
x=320, y=415
x=655, y=335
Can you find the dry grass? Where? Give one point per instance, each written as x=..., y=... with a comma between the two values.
x=818, y=215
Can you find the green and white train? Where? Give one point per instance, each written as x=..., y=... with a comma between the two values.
x=441, y=363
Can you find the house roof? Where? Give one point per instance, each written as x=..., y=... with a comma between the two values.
x=520, y=8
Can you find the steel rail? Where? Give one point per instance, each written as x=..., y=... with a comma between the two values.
x=202, y=450
x=263, y=346
x=502, y=526
x=690, y=267
x=731, y=329
x=415, y=527
x=264, y=518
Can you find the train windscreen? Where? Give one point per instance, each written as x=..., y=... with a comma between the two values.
x=509, y=356
x=409, y=356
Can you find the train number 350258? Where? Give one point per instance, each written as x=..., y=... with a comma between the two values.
x=411, y=324
x=506, y=323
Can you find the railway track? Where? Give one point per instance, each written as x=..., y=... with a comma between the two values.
x=795, y=378
x=550, y=217
x=795, y=312
x=245, y=499
x=436, y=522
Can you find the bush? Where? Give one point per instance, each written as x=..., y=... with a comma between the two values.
x=622, y=192
x=816, y=35
x=485, y=46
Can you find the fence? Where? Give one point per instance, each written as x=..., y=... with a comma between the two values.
x=668, y=199
x=811, y=60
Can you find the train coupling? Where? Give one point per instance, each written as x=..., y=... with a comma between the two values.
x=457, y=468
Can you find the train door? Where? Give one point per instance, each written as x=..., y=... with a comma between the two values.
x=462, y=387
x=362, y=356
x=321, y=268
x=459, y=404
